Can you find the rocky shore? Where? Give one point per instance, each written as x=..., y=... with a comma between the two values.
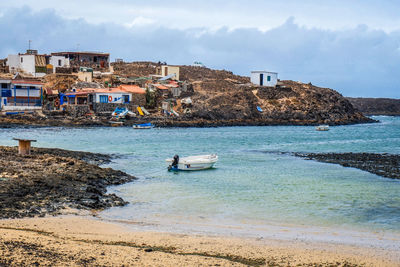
x=385, y=165
x=50, y=180
x=32, y=120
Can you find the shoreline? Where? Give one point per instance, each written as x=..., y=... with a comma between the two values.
x=90, y=240
x=93, y=241
x=267, y=230
x=29, y=120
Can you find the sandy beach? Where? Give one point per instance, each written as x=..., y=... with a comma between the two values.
x=84, y=240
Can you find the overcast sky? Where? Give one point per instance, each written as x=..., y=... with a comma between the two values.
x=350, y=46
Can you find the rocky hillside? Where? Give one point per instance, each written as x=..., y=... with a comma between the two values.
x=289, y=103
x=221, y=95
x=377, y=106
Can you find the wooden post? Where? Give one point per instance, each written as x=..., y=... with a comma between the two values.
x=24, y=146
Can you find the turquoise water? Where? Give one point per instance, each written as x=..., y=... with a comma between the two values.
x=252, y=185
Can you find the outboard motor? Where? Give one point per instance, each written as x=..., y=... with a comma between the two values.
x=174, y=163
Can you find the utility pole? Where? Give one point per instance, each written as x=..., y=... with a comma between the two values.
x=77, y=47
x=30, y=41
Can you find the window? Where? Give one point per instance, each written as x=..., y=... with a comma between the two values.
x=125, y=99
x=5, y=93
x=59, y=62
x=103, y=99
x=22, y=59
x=4, y=86
x=268, y=78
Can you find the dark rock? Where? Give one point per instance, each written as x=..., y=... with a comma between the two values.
x=45, y=182
x=385, y=165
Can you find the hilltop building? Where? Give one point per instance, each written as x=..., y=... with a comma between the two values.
x=168, y=70
x=95, y=60
x=264, y=78
x=36, y=64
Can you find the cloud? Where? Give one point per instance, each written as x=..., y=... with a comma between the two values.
x=357, y=62
x=140, y=21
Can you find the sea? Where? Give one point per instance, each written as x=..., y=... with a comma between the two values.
x=256, y=189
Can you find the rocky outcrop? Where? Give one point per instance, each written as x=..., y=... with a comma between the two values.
x=50, y=180
x=385, y=165
x=377, y=106
x=288, y=103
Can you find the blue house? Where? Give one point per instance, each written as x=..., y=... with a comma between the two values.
x=21, y=94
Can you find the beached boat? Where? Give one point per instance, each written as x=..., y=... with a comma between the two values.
x=322, y=128
x=116, y=123
x=192, y=163
x=120, y=112
x=143, y=126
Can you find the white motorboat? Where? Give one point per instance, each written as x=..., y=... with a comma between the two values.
x=192, y=163
x=322, y=128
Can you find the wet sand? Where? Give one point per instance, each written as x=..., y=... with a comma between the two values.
x=84, y=240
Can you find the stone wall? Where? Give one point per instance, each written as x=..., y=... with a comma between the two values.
x=77, y=110
x=109, y=107
x=139, y=99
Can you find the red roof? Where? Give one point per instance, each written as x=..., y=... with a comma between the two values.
x=78, y=93
x=26, y=82
x=134, y=89
x=161, y=87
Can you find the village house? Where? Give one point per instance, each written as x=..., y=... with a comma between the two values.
x=264, y=78
x=34, y=64
x=21, y=94
x=95, y=97
x=95, y=60
x=169, y=71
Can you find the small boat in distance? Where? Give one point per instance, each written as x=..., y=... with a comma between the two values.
x=192, y=163
x=322, y=128
x=143, y=126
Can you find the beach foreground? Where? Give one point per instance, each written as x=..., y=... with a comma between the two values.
x=83, y=240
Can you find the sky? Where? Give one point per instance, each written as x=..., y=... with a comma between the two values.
x=352, y=46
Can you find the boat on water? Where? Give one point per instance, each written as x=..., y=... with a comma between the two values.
x=143, y=126
x=192, y=163
x=322, y=128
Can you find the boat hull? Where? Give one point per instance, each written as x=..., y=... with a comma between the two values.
x=192, y=167
x=322, y=128
x=194, y=163
x=143, y=126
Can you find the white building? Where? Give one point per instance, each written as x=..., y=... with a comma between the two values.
x=168, y=70
x=34, y=64
x=59, y=61
x=264, y=78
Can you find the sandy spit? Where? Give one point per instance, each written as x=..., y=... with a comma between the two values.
x=86, y=241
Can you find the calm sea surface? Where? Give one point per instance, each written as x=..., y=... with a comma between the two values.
x=252, y=185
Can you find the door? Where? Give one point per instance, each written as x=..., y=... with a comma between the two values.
x=261, y=79
x=125, y=99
